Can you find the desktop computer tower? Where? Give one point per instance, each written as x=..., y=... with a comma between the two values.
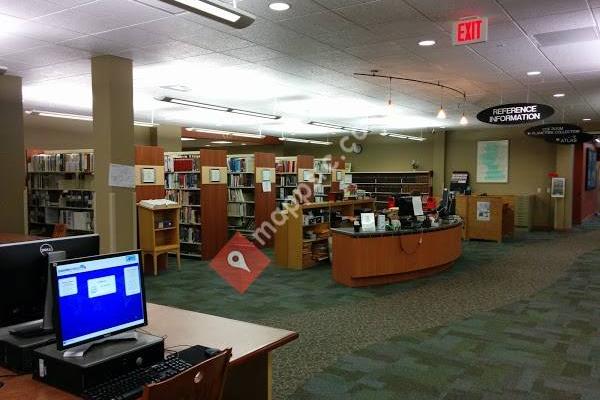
x=16, y=352
x=99, y=364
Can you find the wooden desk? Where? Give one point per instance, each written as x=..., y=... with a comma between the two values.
x=365, y=258
x=17, y=237
x=249, y=375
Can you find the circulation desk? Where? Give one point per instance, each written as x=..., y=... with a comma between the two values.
x=375, y=258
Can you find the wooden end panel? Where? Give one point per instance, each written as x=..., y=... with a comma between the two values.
x=149, y=155
x=149, y=192
x=264, y=202
x=307, y=162
x=336, y=163
x=213, y=199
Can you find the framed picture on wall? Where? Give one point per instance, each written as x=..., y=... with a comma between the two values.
x=492, y=161
x=591, y=173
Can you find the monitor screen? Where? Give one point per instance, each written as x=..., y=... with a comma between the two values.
x=96, y=297
x=24, y=272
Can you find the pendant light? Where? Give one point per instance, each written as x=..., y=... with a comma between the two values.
x=441, y=113
x=390, y=107
x=463, y=119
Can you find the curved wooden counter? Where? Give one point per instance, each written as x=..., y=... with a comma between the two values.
x=375, y=258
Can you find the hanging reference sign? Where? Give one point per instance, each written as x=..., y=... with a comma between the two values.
x=516, y=113
x=559, y=133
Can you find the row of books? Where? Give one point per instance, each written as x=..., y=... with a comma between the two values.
x=240, y=209
x=240, y=195
x=190, y=234
x=288, y=180
x=283, y=166
x=189, y=162
x=37, y=181
x=241, y=180
x=242, y=224
x=322, y=166
x=188, y=215
x=75, y=220
x=397, y=178
x=62, y=162
x=62, y=199
x=182, y=181
x=241, y=164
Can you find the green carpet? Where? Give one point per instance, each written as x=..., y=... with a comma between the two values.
x=460, y=334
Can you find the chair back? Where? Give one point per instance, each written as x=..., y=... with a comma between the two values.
x=60, y=230
x=204, y=381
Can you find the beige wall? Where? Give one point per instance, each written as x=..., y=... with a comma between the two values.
x=530, y=161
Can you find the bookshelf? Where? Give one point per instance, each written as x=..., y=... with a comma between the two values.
x=249, y=205
x=329, y=175
x=60, y=191
x=290, y=171
x=381, y=185
x=303, y=241
x=187, y=181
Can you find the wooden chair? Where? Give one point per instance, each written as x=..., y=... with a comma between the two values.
x=204, y=381
x=60, y=230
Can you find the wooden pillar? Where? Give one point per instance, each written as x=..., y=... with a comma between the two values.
x=112, y=86
x=563, y=207
x=12, y=156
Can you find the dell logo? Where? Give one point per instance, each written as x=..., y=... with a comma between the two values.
x=46, y=248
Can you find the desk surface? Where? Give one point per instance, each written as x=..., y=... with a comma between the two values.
x=410, y=231
x=181, y=328
x=16, y=237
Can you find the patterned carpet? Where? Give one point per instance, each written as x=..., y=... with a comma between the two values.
x=515, y=320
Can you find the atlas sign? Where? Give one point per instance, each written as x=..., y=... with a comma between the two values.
x=471, y=30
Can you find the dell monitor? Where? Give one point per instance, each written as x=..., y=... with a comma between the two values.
x=24, y=274
x=97, y=298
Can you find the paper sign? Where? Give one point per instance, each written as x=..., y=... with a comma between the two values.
x=483, y=211
x=266, y=186
x=148, y=175
x=558, y=187
x=266, y=175
x=367, y=221
x=306, y=175
x=215, y=175
x=417, y=205
x=120, y=175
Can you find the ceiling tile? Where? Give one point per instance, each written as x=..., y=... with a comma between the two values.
x=575, y=57
x=133, y=37
x=11, y=43
x=381, y=12
x=57, y=71
x=163, y=52
x=29, y=8
x=215, y=40
x=47, y=55
x=520, y=9
x=95, y=45
x=557, y=22
x=254, y=53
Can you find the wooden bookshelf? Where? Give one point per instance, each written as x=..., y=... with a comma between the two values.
x=329, y=177
x=265, y=204
x=187, y=181
x=296, y=247
x=158, y=232
x=381, y=185
x=60, y=191
x=292, y=171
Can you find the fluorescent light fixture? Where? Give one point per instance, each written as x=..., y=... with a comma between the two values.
x=192, y=103
x=408, y=137
x=79, y=117
x=254, y=114
x=187, y=139
x=178, y=88
x=586, y=119
x=215, y=10
x=279, y=6
x=558, y=95
x=248, y=135
x=533, y=73
x=320, y=142
x=221, y=142
x=426, y=43
x=333, y=126
x=289, y=139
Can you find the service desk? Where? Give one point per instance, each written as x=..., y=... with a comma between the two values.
x=374, y=258
x=249, y=374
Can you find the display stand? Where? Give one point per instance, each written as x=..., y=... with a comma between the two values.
x=158, y=230
x=486, y=217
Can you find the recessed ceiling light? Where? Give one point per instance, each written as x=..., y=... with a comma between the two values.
x=558, y=95
x=586, y=119
x=279, y=6
x=426, y=42
x=221, y=142
x=533, y=73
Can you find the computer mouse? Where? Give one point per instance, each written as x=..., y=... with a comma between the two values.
x=210, y=352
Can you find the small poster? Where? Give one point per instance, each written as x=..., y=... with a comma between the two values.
x=215, y=175
x=307, y=175
x=266, y=186
x=148, y=175
x=367, y=221
x=483, y=211
x=120, y=175
x=557, y=189
x=417, y=205
x=266, y=175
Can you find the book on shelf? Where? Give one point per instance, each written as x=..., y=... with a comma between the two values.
x=62, y=162
x=322, y=166
x=240, y=209
x=190, y=234
x=288, y=180
x=188, y=215
x=182, y=163
x=285, y=166
x=241, y=164
x=182, y=181
x=74, y=199
x=245, y=180
x=240, y=195
x=76, y=220
x=242, y=224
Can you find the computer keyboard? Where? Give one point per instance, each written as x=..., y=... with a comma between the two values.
x=131, y=385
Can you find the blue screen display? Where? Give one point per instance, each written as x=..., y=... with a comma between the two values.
x=99, y=296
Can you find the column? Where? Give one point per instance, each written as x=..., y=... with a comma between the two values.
x=12, y=156
x=168, y=137
x=563, y=208
x=112, y=86
x=439, y=163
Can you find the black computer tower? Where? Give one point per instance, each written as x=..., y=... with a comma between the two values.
x=15, y=352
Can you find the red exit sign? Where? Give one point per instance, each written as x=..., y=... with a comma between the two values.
x=472, y=30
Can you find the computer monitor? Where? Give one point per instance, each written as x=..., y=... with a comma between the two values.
x=405, y=206
x=24, y=274
x=98, y=297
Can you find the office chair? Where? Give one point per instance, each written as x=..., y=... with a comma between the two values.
x=204, y=381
